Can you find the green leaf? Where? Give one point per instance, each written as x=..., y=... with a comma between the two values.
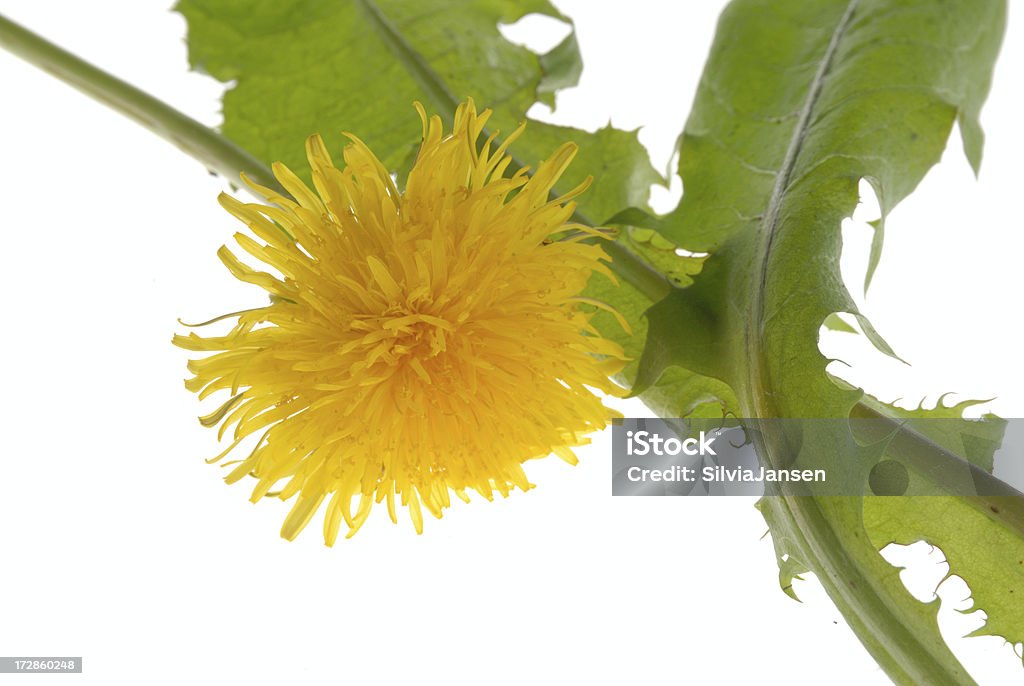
x=798, y=102
x=302, y=67
x=305, y=67
x=980, y=537
x=621, y=171
x=562, y=69
x=980, y=545
x=835, y=323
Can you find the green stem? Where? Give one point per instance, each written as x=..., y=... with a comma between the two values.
x=213, y=150
x=637, y=272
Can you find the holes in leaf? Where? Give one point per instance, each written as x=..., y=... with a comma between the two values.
x=536, y=32
x=664, y=199
x=925, y=574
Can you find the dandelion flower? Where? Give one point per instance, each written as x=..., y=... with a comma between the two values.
x=417, y=343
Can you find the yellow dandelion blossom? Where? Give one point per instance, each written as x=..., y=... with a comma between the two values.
x=417, y=343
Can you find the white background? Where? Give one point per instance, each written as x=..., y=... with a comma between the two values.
x=119, y=544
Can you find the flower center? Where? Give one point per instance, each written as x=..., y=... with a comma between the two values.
x=402, y=335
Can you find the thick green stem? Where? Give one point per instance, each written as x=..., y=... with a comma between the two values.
x=213, y=150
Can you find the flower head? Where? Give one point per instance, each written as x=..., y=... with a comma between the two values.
x=417, y=343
